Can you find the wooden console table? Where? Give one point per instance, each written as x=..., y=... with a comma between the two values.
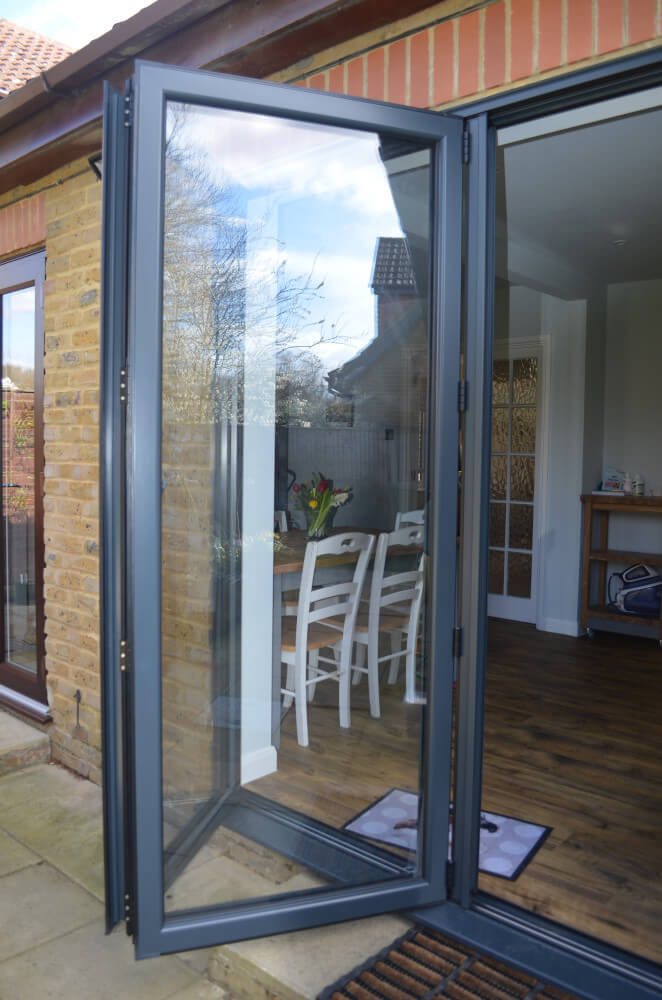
x=597, y=508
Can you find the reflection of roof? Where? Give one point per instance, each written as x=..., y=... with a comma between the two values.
x=24, y=54
x=392, y=270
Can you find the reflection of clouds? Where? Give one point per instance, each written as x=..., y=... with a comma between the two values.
x=293, y=158
x=281, y=167
x=346, y=299
x=19, y=302
x=18, y=323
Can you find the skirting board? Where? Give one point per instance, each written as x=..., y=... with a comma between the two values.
x=560, y=626
x=257, y=763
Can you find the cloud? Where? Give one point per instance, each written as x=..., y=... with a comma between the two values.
x=292, y=159
x=74, y=23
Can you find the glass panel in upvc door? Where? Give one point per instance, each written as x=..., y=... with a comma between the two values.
x=295, y=390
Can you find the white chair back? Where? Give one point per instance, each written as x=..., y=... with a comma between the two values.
x=338, y=599
x=394, y=606
x=409, y=517
x=403, y=589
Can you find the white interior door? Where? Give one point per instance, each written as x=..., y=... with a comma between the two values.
x=516, y=480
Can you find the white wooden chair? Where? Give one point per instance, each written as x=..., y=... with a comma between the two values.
x=394, y=606
x=305, y=635
x=409, y=517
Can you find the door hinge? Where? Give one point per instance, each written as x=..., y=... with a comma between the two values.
x=123, y=385
x=450, y=877
x=458, y=641
x=129, y=913
x=466, y=146
x=128, y=110
x=463, y=395
x=123, y=655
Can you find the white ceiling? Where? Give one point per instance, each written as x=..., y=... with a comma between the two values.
x=563, y=198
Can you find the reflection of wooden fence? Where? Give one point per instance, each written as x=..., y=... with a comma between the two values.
x=361, y=458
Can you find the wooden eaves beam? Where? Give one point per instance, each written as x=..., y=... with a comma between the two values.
x=56, y=117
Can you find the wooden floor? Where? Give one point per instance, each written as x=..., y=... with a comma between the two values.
x=573, y=740
x=343, y=771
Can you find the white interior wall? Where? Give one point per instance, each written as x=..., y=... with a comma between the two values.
x=564, y=324
x=524, y=313
x=594, y=401
x=633, y=402
x=258, y=755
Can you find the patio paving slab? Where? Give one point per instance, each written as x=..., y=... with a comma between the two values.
x=14, y=855
x=57, y=815
x=87, y=964
x=299, y=965
x=220, y=880
x=21, y=745
x=38, y=904
x=202, y=991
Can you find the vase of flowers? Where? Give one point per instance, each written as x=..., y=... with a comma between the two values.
x=319, y=501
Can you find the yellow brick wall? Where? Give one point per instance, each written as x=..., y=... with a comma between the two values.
x=71, y=455
x=71, y=452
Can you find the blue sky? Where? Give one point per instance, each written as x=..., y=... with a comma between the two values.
x=72, y=22
x=307, y=209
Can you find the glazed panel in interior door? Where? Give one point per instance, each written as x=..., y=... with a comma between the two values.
x=512, y=486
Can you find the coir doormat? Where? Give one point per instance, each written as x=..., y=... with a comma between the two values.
x=507, y=844
x=424, y=964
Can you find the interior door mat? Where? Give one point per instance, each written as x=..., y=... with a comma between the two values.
x=424, y=964
x=507, y=844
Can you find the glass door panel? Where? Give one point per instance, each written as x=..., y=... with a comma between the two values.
x=570, y=770
x=21, y=664
x=18, y=310
x=295, y=332
x=296, y=317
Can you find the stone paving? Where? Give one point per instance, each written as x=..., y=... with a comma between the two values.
x=52, y=942
x=21, y=745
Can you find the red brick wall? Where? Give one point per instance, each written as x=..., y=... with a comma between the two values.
x=23, y=224
x=452, y=58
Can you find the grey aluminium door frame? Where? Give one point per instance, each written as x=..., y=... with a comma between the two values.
x=113, y=629
x=154, y=84
x=570, y=959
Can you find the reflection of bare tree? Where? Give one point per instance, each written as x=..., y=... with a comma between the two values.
x=216, y=301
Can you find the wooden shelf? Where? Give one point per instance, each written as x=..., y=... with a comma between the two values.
x=596, y=554
x=605, y=611
x=621, y=556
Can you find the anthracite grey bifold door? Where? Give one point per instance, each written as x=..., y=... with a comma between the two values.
x=292, y=364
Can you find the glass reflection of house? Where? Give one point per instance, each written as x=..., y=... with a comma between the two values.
x=380, y=393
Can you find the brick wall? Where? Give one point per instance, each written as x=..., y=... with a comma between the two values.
x=71, y=452
x=63, y=211
x=23, y=224
x=454, y=51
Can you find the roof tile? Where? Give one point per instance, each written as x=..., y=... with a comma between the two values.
x=24, y=54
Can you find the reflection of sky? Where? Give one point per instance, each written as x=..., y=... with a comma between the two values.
x=18, y=328
x=328, y=196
